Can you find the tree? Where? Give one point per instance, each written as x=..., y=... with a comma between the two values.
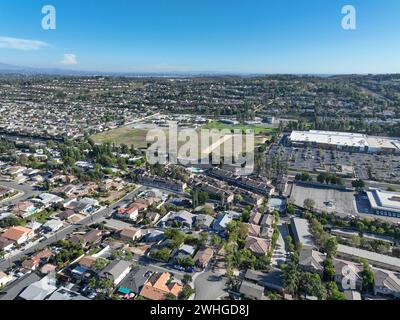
x=207, y=210
x=100, y=264
x=367, y=277
x=107, y=285
x=291, y=278
x=170, y=296
x=333, y=291
x=358, y=184
x=309, y=204
x=186, y=262
x=329, y=270
x=330, y=247
x=311, y=284
x=289, y=244
x=187, y=291
x=187, y=278
x=290, y=209
x=92, y=283
x=238, y=198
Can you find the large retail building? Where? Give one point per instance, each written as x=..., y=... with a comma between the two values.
x=345, y=141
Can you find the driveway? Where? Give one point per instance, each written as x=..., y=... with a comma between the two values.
x=279, y=256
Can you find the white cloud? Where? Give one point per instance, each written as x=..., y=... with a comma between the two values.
x=69, y=59
x=21, y=44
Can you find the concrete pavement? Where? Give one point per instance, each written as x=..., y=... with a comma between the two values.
x=209, y=285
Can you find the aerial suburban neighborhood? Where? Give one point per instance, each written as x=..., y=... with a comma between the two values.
x=199, y=158
x=85, y=215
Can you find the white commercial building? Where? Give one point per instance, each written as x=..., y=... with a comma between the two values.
x=384, y=203
x=345, y=141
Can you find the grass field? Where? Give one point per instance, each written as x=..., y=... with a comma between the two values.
x=123, y=135
x=258, y=129
x=137, y=137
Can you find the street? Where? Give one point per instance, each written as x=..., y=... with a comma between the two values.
x=28, y=192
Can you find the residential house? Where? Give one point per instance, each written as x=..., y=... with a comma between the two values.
x=203, y=257
x=34, y=225
x=49, y=199
x=251, y=291
x=4, y=279
x=376, y=259
x=91, y=237
x=258, y=246
x=154, y=236
x=184, y=218
x=130, y=234
x=153, y=217
x=18, y=234
x=24, y=209
x=311, y=261
x=204, y=221
x=116, y=271
x=65, y=215
x=53, y=225
x=37, y=259
x=161, y=182
x=39, y=290
x=64, y=294
x=184, y=251
x=387, y=283
x=223, y=220
x=272, y=280
x=159, y=287
x=87, y=262
x=128, y=213
x=302, y=234
x=352, y=295
x=6, y=244
x=346, y=270
x=267, y=220
x=255, y=217
x=254, y=230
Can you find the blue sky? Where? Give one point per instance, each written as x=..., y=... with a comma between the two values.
x=249, y=36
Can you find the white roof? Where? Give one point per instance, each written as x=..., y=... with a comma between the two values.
x=384, y=200
x=39, y=290
x=301, y=228
x=53, y=224
x=372, y=257
x=344, y=139
x=379, y=142
x=330, y=137
x=50, y=198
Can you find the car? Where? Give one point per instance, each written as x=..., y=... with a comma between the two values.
x=178, y=267
x=148, y=274
x=190, y=270
x=92, y=296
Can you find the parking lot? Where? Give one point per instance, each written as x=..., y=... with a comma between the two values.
x=330, y=200
x=366, y=166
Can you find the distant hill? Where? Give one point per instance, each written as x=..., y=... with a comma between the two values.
x=11, y=69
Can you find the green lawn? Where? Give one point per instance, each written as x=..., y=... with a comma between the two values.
x=258, y=129
x=122, y=135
